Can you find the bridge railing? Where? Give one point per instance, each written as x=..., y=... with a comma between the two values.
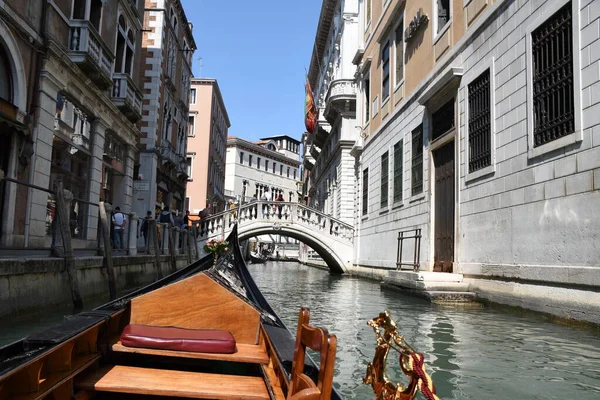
x=275, y=212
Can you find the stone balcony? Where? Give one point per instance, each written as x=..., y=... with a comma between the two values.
x=315, y=152
x=341, y=97
x=127, y=96
x=169, y=154
x=88, y=50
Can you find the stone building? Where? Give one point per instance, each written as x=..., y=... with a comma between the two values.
x=207, y=144
x=332, y=183
x=269, y=166
x=481, y=127
x=168, y=46
x=80, y=95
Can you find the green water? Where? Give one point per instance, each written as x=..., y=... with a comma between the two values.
x=476, y=353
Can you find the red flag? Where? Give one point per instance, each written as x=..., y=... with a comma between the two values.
x=310, y=111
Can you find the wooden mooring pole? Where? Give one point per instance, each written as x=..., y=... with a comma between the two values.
x=153, y=228
x=105, y=224
x=63, y=200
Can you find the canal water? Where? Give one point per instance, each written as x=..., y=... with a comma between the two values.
x=471, y=353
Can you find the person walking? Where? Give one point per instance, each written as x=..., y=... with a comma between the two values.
x=119, y=220
x=279, y=208
x=145, y=226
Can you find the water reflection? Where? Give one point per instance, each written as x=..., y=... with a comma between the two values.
x=471, y=353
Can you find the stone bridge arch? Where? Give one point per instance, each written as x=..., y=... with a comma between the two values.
x=330, y=238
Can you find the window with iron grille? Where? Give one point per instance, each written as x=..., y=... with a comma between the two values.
x=480, y=128
x=385, y=68
x=384, y=179
x=398, y=164
x=553, y=91
x=417, y=160
x=442, y=121
x=365, y=192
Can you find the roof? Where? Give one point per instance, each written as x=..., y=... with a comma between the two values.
x=269, y=138
x=237, y=142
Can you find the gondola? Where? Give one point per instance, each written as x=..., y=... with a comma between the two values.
x=257, y=258
x=205, y=331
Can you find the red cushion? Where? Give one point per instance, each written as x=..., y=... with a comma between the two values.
x=178, y=339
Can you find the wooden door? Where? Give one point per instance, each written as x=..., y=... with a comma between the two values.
x=443, y=160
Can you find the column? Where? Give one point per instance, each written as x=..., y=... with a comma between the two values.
x=99, y=135
x=36, y=212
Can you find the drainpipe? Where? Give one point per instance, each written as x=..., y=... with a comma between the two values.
x=34, y=107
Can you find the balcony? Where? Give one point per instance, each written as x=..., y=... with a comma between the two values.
x=341, y=98
x=169, y=154
x=87, y=49
x=315, y=152
x=127, y=97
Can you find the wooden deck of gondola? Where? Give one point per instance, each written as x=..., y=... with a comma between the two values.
x=151, y=381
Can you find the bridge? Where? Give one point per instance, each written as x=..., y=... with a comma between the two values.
x=331, y=238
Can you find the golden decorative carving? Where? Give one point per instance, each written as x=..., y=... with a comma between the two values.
x=411, y=363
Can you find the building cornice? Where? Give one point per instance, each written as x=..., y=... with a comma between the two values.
x=321, y=42
x=241, y=143
x=215, y=84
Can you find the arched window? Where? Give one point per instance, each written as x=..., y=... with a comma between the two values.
x=125, y=48
x=6, y=89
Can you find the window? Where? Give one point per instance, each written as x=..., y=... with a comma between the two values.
x=367, y=100
x=125, y=48
x=267, y=165
x=288, y=172
x=417, y=160
x=385, y=70
x=294, y=174
x=442, y=121
x=93, y=8
x=375, y=106
x=553, y=90
x=189, y=167
x=274, y=167
x=281, y=169
x=399, y=50
x=398, y=166
x=367, y=12
x=191, y=126
x=250, y=160
x=258, y=162
x=384, y=179
x=193, y=96
x=241, y=158
x=5, y=77
x=443, y=14
x=480, y=128
x=365, y=192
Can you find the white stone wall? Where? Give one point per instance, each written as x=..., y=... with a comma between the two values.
x=532, y=210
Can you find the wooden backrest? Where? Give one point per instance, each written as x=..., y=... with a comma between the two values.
x=319, y=340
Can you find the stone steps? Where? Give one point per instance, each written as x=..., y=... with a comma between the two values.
x=437, y=287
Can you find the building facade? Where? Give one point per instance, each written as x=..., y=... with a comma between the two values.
x=207, y=146
x=481, y=128
x=268, y=167
x=81, y=99
x=168, y=47
x=328, y=161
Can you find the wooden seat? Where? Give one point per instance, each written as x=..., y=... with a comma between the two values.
x=195, y=385
x=317, y=339
x=245, y=353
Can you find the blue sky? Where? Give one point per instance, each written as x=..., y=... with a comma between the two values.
x=258, y=52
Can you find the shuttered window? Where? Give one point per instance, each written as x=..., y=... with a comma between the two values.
x=417, y=160
x=365, y=192
x=384, y=179
x=385, y=68
x=398, y=164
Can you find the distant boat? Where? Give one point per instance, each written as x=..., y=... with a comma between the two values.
x=257, y=258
